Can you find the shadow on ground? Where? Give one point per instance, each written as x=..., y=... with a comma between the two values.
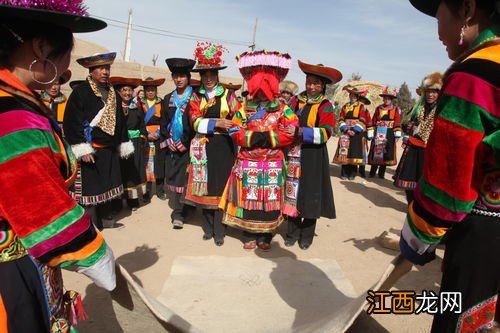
x=376, y=196
x=98, y=303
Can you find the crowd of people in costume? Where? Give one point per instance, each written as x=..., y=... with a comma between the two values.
x=250, y=161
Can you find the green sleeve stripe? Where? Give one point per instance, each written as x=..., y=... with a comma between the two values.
x=54, y=228
x=444, y=199
x=466, y=114
x=89, y=261
x=424, y=237
x=20, y=142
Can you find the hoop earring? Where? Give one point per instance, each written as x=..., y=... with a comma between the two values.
x=41, y=82
x=462, y=34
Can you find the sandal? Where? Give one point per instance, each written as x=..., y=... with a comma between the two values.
x=264, y=246
x=250, y=245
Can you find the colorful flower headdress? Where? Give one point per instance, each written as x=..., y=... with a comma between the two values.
x=389, y=91
x=263, y=71
x=71, y=14
x=209, y=55
x=249, y=62
x=75, y=7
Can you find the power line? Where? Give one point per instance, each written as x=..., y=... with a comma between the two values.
x=172, y=34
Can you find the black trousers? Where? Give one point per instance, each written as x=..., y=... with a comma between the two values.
x=301, y=230
x=381, y=170
x=409, y=196
x=160, y=187
x=265, y=237
x=133, y=203
x=212, y=223
x=361, y=171
x=99, y=212
x=348, y=170
x=180, y=210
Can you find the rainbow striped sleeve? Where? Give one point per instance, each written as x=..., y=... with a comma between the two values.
x=200, y=124
x=321, y=134
x=467, y=123
x=34, y=198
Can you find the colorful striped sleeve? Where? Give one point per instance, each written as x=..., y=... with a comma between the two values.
x=468, y=120
x=320, y=134
x=35, y=201
x=397, y=124
x=200, y=124
x=342, y=124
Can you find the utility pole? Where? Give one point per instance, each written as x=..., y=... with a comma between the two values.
x=252, y=47
x=126, y=52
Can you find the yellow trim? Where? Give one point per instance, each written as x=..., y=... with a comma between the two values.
x=3, y=93
x=491, y=53
x=313, y=113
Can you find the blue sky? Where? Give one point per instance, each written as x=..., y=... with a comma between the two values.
x=387, y=41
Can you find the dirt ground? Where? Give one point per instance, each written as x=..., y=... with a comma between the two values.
x=146, y=245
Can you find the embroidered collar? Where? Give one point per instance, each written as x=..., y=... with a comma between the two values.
x=311, y=100
x=58, y=99
x=131, y=105
x=486, y=35
x=157, y=100
x=219, y=90
x=12, y=85
x=11, y=80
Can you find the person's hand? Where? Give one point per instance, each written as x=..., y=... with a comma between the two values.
x=152, y=137
x=351, y=133
x=290, y=130
x=171, y=145
x=88, y=158
x=224, y=124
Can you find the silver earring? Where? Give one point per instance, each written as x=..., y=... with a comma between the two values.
x=462, y=34
x=41, y=82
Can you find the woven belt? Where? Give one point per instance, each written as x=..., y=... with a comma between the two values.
x=481, y=212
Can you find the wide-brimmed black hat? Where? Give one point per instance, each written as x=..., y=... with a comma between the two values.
x=428, y=7
x=64, y=13
x=180, y=65
x=120, y=81
x=75, y=83
x=65, y=77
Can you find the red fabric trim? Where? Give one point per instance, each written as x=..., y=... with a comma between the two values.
x=478, y=317
x=474, y=90
x=62, y=238
x=436, y=209
x=450, y=159
x=40, y=196
x=18, y=120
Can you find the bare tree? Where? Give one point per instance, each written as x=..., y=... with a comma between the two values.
x=355, y=77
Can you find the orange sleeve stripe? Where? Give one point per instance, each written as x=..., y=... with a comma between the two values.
x=425, y=227
x=83, y=253
x=3, y=317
